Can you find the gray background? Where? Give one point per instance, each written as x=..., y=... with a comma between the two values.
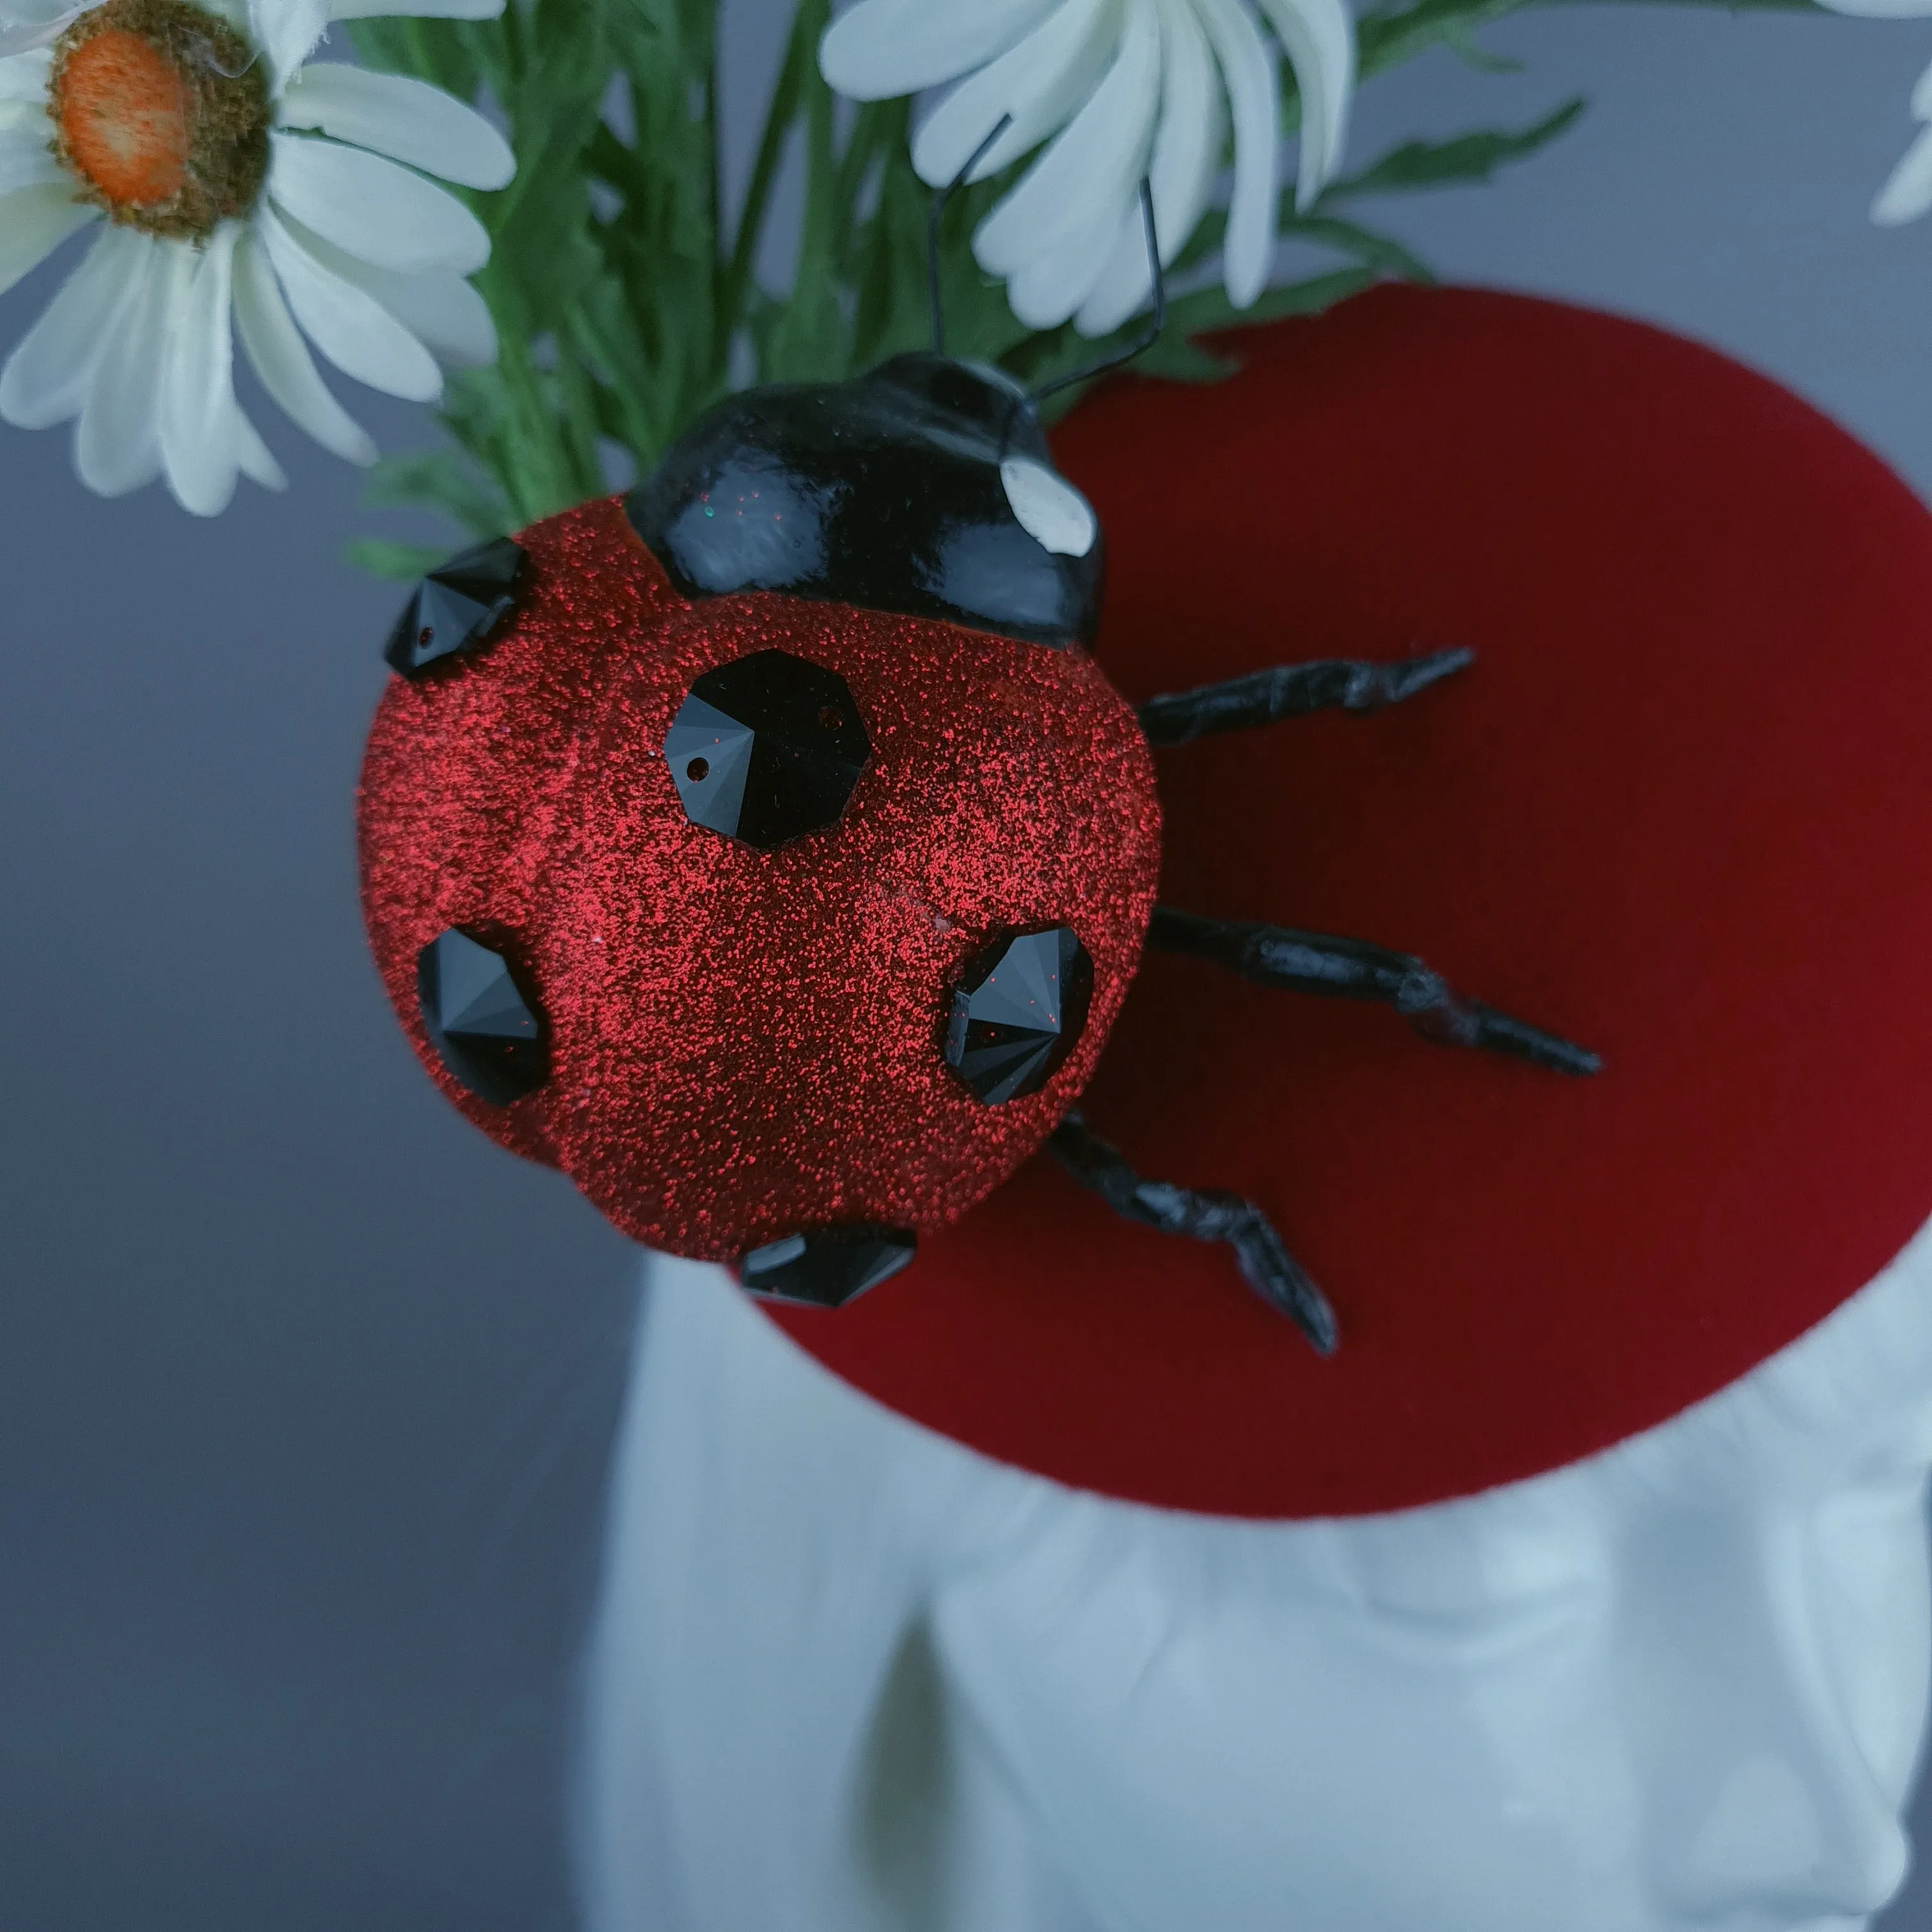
x=305, y=1391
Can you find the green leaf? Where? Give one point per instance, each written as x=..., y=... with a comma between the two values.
x=805, y=340
x=399, y=563
x=624, y=308
x=1474, y=157
x=1462, y=43
x=1179, y=355
x=1381, y=253
x=1387, y=35
x=1210, y=309
x=1736, y=6
x=447, y=480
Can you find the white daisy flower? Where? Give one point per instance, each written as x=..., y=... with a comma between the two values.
x=1125, y=88
x=240, y=193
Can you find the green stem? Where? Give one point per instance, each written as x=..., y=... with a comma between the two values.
x=800, y=51
x=870, y=134
x=579, y=439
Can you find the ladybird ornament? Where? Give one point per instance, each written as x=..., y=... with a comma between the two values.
x=768, y=850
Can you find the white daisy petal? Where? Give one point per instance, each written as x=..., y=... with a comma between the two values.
x=443, y=312
x=407, y=120
x=376, y=211
x=46, y=377
x=1320, y=40
x=1187, y=144
x=286, y=32
x=1124, y=282
x=1038, y=84
x=419, y=9
x=1046, y=288
x=25, y=29
x=1186, y=159
x=347, y=324
x=281, y=361
x=1921, y=97
x=1095, y=78
x=1907, y=193
x=25, y=77
x=1254, y=93
x=882, y=48
x=252, y=458
x=33, y=222
x=117, y=443
x=1080, y=180
x=24, y=162
x=198, y=406
x=41, y=13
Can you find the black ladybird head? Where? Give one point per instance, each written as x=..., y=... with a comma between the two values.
x=925, y=487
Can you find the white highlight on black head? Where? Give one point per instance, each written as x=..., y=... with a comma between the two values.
x=1049, y=508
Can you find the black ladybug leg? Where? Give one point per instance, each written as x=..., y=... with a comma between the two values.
x=1293, y=690
x=1353, y=969
x=1204, y=1215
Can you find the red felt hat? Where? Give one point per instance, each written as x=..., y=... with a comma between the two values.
x=1680, y=809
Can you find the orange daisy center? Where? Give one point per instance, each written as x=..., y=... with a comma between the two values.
x=161, y=111
x=125, y=118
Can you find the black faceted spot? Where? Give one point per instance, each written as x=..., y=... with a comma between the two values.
x=458, y=605
x=766, y=748
x=488, y=1030
x=1017, y=1012
x=827, y=1267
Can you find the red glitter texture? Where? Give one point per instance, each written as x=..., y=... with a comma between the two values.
x=745, y=1043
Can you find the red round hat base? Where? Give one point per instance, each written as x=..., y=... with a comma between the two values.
x=1680, y=810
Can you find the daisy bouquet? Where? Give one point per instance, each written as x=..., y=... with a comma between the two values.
x=516, y=215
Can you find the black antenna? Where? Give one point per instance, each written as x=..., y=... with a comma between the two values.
x=1147, y=337
x=940, y=197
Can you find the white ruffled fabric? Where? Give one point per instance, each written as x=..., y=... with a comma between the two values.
x=1118, y=89
x=349, y=247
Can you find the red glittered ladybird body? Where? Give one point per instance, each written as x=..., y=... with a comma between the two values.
x=767, y=850
x=679, y=851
